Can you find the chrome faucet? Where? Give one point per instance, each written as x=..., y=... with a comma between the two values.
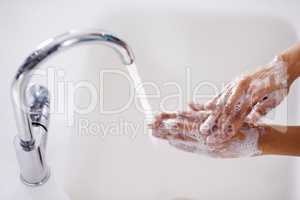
x=31, y=104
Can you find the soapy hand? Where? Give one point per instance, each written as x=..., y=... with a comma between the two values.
x=181, y=130
x=246, y=99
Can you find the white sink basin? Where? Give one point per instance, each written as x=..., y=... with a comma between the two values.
x=93, y=157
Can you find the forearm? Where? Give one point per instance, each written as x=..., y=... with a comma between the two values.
x=291, y=57
x=280, y=140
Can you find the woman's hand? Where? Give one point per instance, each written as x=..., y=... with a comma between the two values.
x=244, y=100
x=250, y=97
x=181, y=130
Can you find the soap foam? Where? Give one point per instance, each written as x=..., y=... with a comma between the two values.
x=236, y=147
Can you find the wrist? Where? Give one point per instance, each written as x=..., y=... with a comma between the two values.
x=280, y=140
x=291, y=58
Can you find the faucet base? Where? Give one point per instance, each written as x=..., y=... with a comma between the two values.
x=33, y=167
x=42, y=182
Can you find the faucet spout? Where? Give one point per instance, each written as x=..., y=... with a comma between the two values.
x=34, y=114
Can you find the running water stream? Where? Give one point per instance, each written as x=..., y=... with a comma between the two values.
x=140, y=92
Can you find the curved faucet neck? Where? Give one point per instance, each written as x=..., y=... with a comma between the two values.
x=43, y=52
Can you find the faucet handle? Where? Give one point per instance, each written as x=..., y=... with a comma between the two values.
x=38, y=103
